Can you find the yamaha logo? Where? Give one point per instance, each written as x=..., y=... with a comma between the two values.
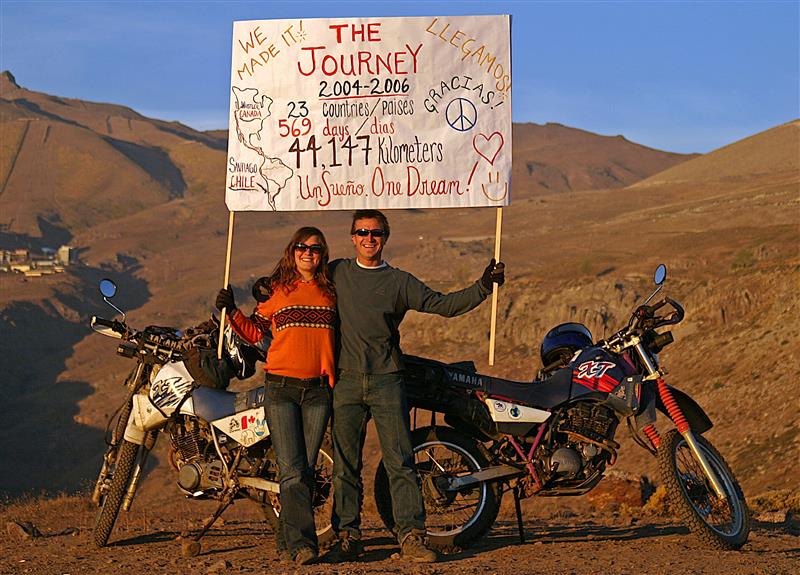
x=462, y=378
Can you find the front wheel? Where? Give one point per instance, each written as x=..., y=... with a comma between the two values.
x=720, y=523
x=111, y=501
x=453, y=518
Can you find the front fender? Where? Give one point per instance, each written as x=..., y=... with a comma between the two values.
x=144, y=417
x=698, y=421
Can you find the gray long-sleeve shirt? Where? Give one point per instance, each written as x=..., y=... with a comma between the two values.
x=373, y=302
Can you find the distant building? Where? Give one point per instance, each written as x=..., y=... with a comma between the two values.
x=36, y=264
x=64, y=255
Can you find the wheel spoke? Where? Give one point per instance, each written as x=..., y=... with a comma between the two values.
x=718, y=513
x=432, y=459
x=460, y=508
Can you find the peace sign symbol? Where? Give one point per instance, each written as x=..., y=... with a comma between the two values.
x=461, y=114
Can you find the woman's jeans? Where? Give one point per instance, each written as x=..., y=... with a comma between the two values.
x=297, y=418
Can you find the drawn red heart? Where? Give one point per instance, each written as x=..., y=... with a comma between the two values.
x=488, y=146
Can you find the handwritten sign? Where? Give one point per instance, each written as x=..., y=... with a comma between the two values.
x=334, y=114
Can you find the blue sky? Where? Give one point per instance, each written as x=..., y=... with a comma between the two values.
x=678, y=76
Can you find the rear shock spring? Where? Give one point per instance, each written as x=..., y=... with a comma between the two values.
x=673, y=409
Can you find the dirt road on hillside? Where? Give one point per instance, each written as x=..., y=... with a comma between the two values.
x=146, y=543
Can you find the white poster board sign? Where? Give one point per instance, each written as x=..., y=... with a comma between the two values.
x=351, y=113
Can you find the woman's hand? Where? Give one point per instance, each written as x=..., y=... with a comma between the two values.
x=225, y=300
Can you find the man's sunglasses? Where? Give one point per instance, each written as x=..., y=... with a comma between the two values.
x=313, y=248
x=364, y=233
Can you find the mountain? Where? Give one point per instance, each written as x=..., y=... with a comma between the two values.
x=589, y=222
x=74, y=164
x=773, y=153
x=556, y=158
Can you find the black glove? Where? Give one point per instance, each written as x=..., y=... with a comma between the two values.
x=494, y=273
x=262, y=289
x=225, y=300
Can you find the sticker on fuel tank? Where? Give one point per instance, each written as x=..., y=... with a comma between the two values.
x=594, y=369
x=595, y=376
x=506, y=411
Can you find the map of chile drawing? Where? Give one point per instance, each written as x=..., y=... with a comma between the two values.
x=255, y=170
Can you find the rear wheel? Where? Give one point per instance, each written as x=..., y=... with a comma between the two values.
x=323, y=497
x=111, y=501
x=453, y=518
x=720, y=523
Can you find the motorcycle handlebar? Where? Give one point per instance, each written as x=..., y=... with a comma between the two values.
x=676, y=316
x=111, y=328
x=645, y=315
x=154, y=341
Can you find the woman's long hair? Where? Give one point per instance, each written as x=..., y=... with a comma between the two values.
x=285, y=273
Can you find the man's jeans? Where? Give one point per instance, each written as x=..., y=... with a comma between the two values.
x=297, y=419
x=355, y=396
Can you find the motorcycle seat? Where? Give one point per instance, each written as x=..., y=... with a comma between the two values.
x=212, y=404
x=547, y=394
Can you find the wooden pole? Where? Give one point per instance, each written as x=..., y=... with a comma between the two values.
x=225, y=283
x=497, y=233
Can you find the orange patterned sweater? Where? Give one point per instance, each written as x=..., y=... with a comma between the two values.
x=303, y=323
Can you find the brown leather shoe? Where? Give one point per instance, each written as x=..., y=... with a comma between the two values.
x=346, y=549
x=413, y=548
x=306, y=556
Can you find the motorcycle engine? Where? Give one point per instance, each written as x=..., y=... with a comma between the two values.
x=582, y=443
x=199, y=475
x=566, y=461
x=193, y=456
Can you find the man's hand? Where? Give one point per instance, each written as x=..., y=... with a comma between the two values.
x=495, y=272
x=262, y=289
x=225, y=300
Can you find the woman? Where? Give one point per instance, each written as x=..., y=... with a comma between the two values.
x=301, y=312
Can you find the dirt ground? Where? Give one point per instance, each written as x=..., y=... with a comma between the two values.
x=564, y=542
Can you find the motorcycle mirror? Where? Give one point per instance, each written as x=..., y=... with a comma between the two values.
x=660, y=275
x=108, y=288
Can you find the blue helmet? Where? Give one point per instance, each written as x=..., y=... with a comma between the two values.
x=563, y=341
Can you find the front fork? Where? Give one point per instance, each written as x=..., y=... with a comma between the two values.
x=712, y=477
x=678, y=418
x=110, y=456
x=149, y=443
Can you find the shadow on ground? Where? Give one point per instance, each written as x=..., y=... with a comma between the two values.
x=44, y=448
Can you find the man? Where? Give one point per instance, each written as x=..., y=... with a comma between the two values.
x=372, y=299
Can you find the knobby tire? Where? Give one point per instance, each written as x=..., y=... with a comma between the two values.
x=109, y=509
x=678, y=491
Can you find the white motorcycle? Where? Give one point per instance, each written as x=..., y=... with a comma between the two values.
x=219, y=440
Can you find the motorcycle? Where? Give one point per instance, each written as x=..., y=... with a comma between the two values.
x=555, y=436
x=220, y=443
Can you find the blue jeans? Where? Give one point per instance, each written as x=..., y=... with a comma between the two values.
x=297, y=419
x=355, y=397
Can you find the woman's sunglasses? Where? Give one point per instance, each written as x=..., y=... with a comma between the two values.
x=313, y=248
